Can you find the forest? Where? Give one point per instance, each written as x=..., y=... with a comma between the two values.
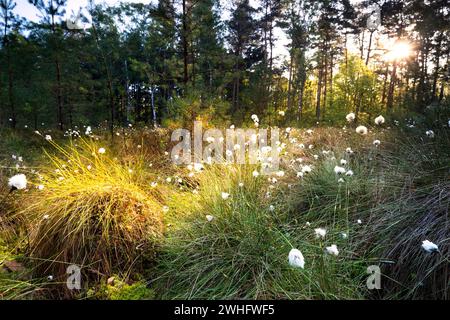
x=93, y=204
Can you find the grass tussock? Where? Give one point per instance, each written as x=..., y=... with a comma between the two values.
x=242, y=252
x=414, y=207
x=90, y=210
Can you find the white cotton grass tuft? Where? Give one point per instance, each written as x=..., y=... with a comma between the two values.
x=306, y=169
x=339, y=170
x=225, y=195
x=350, y=117
x=376, y=143
x=430, y=134
x=255, y=118
x=320, y=232
x=280, y=173
x=209, y=217
x=19, y=182
x=333, y=250
x=101, y=150
x=296, y=259
x=362, y=130
x=198, y=167
x=379, y=120
x=429, y=246
x=48, y=137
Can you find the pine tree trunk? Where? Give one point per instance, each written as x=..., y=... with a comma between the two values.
x=369, y=47
x=331, y=81
x=153, y=107
x=290, y=81
x=346, y=69
x=10, y=89
x=319, y=91
x=383, y=96
x=269, y=85
x=111, y=107
x=325, y=85
x=300, y=98
x=436, y=68
x=390, y=94
x=185, y=45
x=361, y=48
x=58, y=80
x=58, y=94
x=9, y=68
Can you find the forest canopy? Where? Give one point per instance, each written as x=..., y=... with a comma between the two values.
x=170, y=61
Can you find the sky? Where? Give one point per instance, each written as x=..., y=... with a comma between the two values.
x=27, y=10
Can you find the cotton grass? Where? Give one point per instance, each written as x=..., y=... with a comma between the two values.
x=18, y=182
x=362, y=130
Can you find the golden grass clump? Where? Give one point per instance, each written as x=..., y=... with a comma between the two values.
x=90, y=210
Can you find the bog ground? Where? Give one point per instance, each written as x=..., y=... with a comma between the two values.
x=140, y=227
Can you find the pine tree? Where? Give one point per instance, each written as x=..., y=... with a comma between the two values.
x=8, y=19
x=242, y=35
x=51, y=10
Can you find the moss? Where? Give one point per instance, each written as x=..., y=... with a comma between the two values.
x=122, y=291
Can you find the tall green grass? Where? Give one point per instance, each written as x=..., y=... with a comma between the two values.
x=399, y=191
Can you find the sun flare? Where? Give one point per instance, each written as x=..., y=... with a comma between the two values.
x=399, y=50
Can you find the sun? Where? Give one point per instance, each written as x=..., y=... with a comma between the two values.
x=400, y=50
